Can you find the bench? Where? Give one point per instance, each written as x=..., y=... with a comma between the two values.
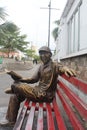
x=68, y=111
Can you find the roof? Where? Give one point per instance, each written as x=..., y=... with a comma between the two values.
x=67, y=7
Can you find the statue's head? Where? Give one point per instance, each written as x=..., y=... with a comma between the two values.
x=45, y=54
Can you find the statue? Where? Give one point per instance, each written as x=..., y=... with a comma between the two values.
x=46, y=74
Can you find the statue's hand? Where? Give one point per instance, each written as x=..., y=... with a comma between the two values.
x=14, y=75
x=7, y=71
x=68, y=72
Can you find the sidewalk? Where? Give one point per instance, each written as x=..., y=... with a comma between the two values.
x=2, y=114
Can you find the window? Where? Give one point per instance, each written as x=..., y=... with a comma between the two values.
x=76, y=35
x=73, y=32
x=83, y=27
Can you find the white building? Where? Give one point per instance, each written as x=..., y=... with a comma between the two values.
x=72, y=40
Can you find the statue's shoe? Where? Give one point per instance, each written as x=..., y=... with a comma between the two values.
x=8, y=91
x=5, y=122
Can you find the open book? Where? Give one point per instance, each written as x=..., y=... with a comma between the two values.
x=14, y=75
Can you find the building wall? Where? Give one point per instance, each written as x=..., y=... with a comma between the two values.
x=11, y=54
x=78, y=63
x=72, y=36
x=62, y=41
x=72, y=40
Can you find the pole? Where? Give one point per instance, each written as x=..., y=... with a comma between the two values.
x=49, y=7
x=49, y=23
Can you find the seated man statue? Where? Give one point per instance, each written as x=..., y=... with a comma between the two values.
x=47, y=74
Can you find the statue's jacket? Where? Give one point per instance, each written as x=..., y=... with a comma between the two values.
x=47, y=76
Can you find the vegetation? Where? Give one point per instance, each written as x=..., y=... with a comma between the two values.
x=11, y=39
x=36, y=57
x=31, y=53
x=55, y=31
x=3, y=14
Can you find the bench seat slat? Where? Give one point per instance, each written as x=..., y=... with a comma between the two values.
x=20, y=119
x=75, y=122
x=77, y=82
x=30, y=118
x=50, y=120
x=59, y=119
x=79, y=104
x=40, y=117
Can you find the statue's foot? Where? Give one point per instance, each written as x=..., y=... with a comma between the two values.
x=8, y=91
x=5, y=122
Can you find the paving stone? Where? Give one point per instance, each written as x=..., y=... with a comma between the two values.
x=2, y=115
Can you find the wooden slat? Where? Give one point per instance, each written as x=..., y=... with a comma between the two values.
x=20, y=119
x=29, y=123
x=74, y=121
x=77, y=82
x=50, y=120
x=60, y=121
x=40, y=117
x=79, y=104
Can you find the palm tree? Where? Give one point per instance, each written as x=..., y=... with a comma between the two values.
x=55, y=30
x=3, y=14
x=11, y=39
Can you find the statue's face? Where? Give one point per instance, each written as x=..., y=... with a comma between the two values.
x=45, y=56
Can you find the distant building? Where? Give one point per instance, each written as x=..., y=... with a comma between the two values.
x=72, y=41
x=33, y=47
x=11, y=54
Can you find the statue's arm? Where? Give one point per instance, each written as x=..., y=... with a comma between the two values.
x=19, y=78
x=65, y=70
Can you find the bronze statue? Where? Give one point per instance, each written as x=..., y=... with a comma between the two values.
x=44, y=92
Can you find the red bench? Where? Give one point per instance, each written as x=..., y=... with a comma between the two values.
x=68, y=111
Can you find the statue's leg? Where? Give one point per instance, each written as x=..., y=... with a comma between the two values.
x=8, y=90
x=32, y=93
x=25, y=90
x=12, y=111
x=13, y=108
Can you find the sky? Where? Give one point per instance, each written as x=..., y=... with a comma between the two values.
x=32, y=17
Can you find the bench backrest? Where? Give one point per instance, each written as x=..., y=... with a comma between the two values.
x=72, y=92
